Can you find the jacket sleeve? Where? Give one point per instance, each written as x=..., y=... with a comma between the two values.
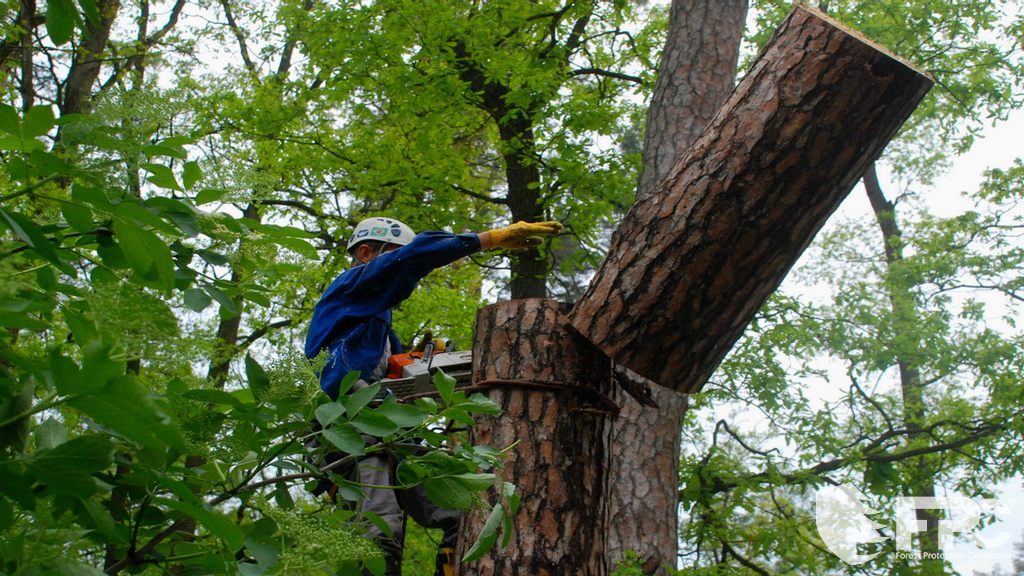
x=390, y=278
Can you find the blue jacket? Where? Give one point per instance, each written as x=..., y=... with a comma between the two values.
x=352, y=320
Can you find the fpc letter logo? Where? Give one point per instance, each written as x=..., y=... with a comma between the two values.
x=844, y=523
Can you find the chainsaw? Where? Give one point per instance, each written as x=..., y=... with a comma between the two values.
x=413, y=372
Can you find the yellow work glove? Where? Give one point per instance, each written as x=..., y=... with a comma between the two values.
x=523, y=234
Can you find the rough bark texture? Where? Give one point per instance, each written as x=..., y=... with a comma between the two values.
x=697, y=73
x=688, y=268
x=559, y=463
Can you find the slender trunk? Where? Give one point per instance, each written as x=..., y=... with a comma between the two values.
x=697, y=73
x=226, y=346
x=88, y=59
x=522, y=175
x=26, y=21
x=905, y=319
x=529, y=269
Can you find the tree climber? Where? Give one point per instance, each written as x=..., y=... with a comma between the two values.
x=352, y=321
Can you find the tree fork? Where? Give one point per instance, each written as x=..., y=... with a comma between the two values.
x=690, y=266
x=552, y=387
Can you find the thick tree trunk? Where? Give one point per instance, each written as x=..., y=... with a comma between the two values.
x=552, y=386
x=689, y=268
x=697, y=72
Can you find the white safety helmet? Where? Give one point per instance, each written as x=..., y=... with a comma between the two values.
x=386, y=230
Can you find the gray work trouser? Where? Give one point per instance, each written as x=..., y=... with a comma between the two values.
x=391, y=505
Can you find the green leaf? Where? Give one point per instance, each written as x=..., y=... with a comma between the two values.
x=78, y=216
x=47, y=163
x=488, y=534
x=371, y=423
x=6, y=515
x=50, y=434
x=82, y=327
x=259, y=382
x=508, y=491
x=15, y=434
x=480, y=404
x=218, y=524
x=10, y=120
x=127, y=407
x=88, y=195
x=177, y=141
x=475, y=482
x=358, y=400
x=404, y=415
x=347, y=382
x=60, y=20
x=39, y=120
x=147, y=254
x=186, y=222
x=197, y=299
x=297, y=245
x=448, y=492
x=162, y=176
x=281, y=231
x=90, y=10
x=104, y=522
x=445, y=385
x=32, y=236
x=191, y=174
x=68, y=468
x=327, y=413
x=229, y=308
x=213, y=397
x=143, y=216
x=207, y=195
x=154, y=150
x=99, y=366
x=345, y=438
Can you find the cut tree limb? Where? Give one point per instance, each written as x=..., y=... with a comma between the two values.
x=690, y=265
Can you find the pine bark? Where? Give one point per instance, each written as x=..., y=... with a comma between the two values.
x=696, y=75
x=690, y=266
x=551, y=385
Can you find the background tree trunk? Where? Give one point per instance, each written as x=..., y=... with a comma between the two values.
x=697, y=72
x=88, y=59
x=687, y=271
x=559, y=415
x=906, y=317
